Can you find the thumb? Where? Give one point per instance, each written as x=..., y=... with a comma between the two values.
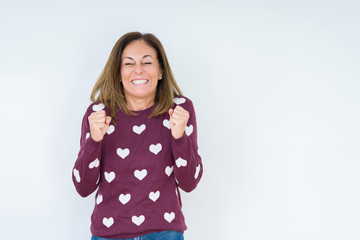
x=107, y=123
x=171, y=111
x=108, y=120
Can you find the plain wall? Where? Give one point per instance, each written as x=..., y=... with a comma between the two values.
x=275, y=86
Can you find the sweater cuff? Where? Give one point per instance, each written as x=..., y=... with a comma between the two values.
x=90, y=143
x=181, y=140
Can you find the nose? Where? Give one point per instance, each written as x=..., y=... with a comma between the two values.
x=138, y=69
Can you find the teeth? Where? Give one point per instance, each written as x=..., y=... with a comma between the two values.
x=139, y=81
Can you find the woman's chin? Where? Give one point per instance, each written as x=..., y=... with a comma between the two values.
x=140, y=94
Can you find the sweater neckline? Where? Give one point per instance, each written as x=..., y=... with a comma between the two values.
x=146, y=110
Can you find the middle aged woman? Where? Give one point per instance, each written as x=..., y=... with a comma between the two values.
x=138, y=145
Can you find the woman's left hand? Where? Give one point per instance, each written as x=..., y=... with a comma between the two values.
x=178, y=120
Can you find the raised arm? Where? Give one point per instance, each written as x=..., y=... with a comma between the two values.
x=86, y=171
x=188, y=167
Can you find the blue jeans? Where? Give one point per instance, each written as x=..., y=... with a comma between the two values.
x=165, y=235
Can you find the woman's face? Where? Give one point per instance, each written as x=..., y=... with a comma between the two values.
x=140, y=70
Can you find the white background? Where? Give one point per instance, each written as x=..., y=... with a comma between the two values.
x=276, y=89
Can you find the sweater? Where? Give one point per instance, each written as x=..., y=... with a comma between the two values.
x=137, y=169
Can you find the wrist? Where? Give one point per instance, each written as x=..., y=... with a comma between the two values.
x=96, y=139
x=177, y=135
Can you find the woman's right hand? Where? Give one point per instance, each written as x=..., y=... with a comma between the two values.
x=99, y=124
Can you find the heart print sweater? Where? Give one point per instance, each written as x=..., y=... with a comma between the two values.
x=137, y=169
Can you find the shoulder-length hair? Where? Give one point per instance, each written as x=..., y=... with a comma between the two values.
x=110, y=91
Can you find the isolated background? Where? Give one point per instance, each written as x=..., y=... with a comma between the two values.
x=276, y=89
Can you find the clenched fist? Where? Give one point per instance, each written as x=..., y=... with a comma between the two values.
x=178, y=120
x=99, y=124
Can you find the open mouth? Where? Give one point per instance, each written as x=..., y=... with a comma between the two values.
x=139, y=81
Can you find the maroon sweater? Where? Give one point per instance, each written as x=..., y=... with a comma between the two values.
x=136, y=170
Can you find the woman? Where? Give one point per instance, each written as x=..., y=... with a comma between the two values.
x=138, y=145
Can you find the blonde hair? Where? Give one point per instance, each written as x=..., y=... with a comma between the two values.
x=110, y=89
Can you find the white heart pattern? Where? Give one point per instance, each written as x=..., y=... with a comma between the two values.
x=140, y=174
x=155, y=149
x=99, y=199
x=179, y=100
x=124, y=199
x=108, y=222
x=166, y=123
x=169, y=216
x=154, y=196
x=109, y=176
x=139, y=129
x=189, y=130
x=197, y=171
x=76, y=175
x=87, y=135
x=98, y=107
x=169, y=170
x=111, y=129
x=138, y=220
x=123, y=153
x=181, y=162
x=94, y=163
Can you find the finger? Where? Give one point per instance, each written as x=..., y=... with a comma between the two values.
x=104, y=129
x=180, y=115
x=98, y=126
x=178, y=122
x=171, y=111
x=108, y=120
x=178, y=108
x=181, y=110
x=102, y=112
x=98, y=120
x=96, y=117
x=99, y=114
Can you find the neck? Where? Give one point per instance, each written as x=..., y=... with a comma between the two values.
x=138, y=104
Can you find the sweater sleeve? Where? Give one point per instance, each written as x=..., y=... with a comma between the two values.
x=188, y=164
x=86, y=171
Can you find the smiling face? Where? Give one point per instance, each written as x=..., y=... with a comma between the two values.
x=140, y=71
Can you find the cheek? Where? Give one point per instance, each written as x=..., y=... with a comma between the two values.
x=155, y=74
x=124, y=75
x=152, y=70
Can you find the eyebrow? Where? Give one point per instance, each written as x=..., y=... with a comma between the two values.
x=128, y=58
x=143, y=57
x=147, y=56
